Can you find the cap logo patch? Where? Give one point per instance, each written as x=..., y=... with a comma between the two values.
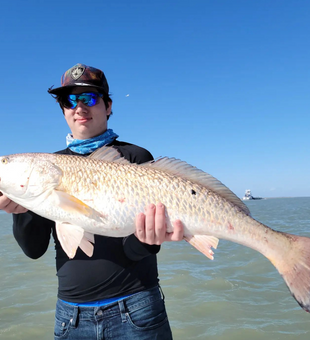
x=77, y=71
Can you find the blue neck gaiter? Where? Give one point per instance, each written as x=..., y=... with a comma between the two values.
x=84, y=146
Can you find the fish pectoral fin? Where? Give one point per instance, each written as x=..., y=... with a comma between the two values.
x=203, y=243
x=71, y=204
x=71, y=237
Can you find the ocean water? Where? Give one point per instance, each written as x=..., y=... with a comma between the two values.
x=239, y=295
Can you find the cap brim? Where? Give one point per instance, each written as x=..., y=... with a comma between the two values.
x=64, y=89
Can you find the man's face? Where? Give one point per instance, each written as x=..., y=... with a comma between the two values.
x=84, y=121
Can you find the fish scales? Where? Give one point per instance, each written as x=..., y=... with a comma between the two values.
x=136, y=186
x=103, y=193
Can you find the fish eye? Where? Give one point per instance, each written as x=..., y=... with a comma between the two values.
x=4, y=160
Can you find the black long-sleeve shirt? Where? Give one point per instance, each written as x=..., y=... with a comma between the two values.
x=119, y=266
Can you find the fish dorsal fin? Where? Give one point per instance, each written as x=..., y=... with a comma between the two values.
x=188, y=172
x=108, y=154
x=176, y=167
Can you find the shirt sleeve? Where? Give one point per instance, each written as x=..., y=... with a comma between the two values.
x=135, y=250
x=32, y=232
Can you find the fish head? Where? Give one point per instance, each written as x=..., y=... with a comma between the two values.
x=27, y=178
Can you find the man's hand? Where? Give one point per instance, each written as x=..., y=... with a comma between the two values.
x=9, y=206
x=151, y=227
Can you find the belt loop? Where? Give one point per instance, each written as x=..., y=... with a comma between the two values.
x=122, y=310
x=74, y=319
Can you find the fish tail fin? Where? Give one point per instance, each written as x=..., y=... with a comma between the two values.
x=294, y=266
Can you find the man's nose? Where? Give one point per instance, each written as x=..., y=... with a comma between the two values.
x=80, y=107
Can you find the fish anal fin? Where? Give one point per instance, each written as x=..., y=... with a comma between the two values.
x=90, y=237
x=71, y=237
x=203, y=243
x=87, y=247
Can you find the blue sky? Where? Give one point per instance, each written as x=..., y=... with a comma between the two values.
x=221, y=84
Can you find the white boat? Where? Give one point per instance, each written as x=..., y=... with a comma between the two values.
x=248, y=196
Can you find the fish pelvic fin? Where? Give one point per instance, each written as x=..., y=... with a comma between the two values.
x=71, y=237
x=203, y=243
x=294, y=266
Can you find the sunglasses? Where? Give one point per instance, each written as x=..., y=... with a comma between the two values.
x=88, y=98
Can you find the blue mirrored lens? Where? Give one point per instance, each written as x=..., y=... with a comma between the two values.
x=89, y=99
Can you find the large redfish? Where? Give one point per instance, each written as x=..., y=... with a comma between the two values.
x=103, y=193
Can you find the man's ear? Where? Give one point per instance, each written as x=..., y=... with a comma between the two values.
x=109, y=109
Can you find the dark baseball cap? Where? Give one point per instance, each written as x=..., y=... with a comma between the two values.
x=81, y=75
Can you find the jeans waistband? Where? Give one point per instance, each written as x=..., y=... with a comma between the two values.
x=129, y=304
x=98, y=303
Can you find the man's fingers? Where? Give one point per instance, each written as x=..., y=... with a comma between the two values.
x=13, y=207
x=149, y=224
x=4, y=202
x=151, y=227
x=9, y=206
x=140, y=227
x=19, y=210
x=178, y=232
x=160, y=224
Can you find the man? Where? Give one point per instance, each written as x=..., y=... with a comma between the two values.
x=114, y=294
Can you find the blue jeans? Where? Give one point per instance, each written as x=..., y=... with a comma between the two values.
x=141, y=316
